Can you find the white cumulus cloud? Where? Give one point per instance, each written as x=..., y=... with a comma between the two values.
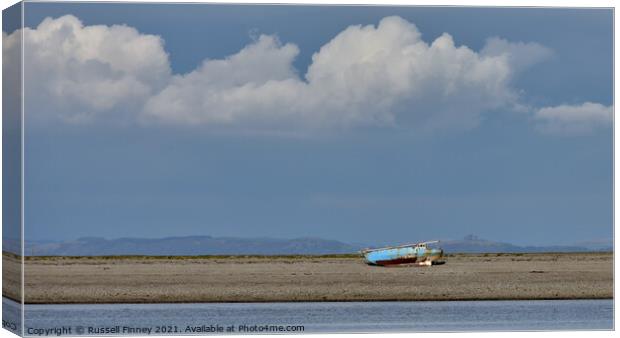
x=78, y=72
x=365, y=76
x=372, y=75
x=520, y=55
x=572, y=119
x=256, y=84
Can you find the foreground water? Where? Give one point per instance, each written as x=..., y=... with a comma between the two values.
x=181, y=319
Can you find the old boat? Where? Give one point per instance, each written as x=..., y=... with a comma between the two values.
x=418, y=253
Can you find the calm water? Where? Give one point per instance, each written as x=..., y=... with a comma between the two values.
x=316, y=317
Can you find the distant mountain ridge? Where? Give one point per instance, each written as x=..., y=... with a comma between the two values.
x=474, y=244
x=208, y=245
x=189, y=245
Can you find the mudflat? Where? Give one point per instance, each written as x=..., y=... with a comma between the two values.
x=309, y=278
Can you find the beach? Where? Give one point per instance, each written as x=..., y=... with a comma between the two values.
x=59, y=280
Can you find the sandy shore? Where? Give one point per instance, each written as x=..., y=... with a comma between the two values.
x=269, y=279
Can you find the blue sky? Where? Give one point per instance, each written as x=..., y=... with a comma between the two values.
x=508, y=137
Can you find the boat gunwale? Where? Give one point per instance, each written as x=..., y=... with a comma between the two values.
x=365, y=251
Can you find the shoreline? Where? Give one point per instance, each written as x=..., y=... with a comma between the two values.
x=319, y=301
x=267, y=279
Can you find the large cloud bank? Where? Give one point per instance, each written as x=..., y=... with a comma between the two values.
x=80, y=73
x=383, y=75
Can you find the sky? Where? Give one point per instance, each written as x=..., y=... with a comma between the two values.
x=361, y=124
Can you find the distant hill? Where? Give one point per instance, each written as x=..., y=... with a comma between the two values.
x=207, y=245
x=189, y=245
x=473, y=244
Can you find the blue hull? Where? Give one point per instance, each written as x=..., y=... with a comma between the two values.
x=403, y=255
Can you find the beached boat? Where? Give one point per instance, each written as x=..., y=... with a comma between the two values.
x=418, y=254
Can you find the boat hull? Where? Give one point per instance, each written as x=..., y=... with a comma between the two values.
x=403, y=255
x=397, y=261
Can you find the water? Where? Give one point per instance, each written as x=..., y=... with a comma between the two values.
x=315, y=317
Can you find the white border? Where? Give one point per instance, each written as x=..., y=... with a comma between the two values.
x=469, y=3
x=455, y=3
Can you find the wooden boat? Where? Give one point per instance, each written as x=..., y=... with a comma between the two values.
x=418, y=253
